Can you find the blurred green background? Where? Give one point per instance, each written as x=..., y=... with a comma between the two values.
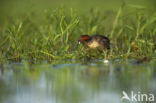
x=13, y=7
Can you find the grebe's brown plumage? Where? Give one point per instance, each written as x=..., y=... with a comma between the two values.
x=96, y=41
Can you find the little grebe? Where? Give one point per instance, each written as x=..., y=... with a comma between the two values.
x=96, y=41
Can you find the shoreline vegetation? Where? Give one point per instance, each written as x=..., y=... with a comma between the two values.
x=53, y=35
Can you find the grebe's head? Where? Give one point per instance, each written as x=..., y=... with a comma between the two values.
x=83, y=39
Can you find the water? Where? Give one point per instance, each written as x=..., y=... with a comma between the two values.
x=92, y=82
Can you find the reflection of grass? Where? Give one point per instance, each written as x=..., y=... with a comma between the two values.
x=54, y=34
x=76, y=83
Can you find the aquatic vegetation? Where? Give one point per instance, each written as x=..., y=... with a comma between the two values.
x=53, y=36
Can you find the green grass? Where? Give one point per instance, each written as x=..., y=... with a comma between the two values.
x=53, y=34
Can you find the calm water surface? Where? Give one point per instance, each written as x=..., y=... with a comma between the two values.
x=93, y=82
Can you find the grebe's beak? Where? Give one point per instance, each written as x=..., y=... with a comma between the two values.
x=78, y=43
